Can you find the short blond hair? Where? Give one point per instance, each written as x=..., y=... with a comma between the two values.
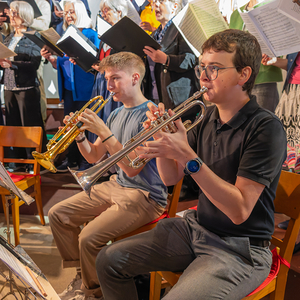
x=25, y=11
x=123, y=61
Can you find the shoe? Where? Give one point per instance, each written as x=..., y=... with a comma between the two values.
x=73, y=287
x=284, y=225
x=64, y=166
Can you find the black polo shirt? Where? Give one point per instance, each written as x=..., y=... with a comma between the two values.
x=252, y=145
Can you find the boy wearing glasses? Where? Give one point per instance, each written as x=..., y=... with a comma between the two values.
x=235, y=156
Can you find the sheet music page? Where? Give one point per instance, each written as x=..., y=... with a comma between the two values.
x=5, y=52
x=132, y=13
x=72, y=32
x=6, y=181
x=18, y=268
x=282, y=32
x=250, y=25
x=51, y=35
x=199, y=20
x=102, y=26
x=290, y=9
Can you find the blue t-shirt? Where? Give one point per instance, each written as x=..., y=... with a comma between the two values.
x=125, y=123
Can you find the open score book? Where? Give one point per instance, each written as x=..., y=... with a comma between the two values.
x=277, y=33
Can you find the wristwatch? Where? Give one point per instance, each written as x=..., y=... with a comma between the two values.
x=193, y=166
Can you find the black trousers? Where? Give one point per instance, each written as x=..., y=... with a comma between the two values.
x=23, y=108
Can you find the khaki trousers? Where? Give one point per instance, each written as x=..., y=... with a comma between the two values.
x=112, y=211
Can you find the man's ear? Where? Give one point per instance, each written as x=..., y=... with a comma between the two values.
x=245, y=75
x=135, y=78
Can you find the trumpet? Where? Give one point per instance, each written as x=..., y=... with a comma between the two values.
x=89, y=177
x=65, y=136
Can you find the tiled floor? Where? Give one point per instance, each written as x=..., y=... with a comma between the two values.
x=38, y=242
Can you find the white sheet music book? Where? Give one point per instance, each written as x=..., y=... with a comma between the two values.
x=19, y=269
x=198, y=21
x=276, y=33
x=290, y=9
x=7, y=182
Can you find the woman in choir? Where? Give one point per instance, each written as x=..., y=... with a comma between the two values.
x=111, y=11
x=170, y=76
x=21, y=85
x=75, y=85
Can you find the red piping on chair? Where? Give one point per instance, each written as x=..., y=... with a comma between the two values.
x=276, y=261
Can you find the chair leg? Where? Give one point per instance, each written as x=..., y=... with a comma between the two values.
x=155, y=286
x=38, y=199
x=16, y=219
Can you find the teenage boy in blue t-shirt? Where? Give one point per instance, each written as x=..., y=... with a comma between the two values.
x=130, y=199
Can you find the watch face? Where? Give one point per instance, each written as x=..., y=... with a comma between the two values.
x=193, y=166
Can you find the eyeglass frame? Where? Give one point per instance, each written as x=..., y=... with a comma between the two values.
x=198, y=75
x=14, y=13
x=160, y=1
x=107, y=8
x=70, y=11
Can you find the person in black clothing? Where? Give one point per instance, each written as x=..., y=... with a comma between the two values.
x=235, y=155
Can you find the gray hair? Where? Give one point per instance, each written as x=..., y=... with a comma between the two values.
x=25, y=11
x=116, y=5
x=82, y=18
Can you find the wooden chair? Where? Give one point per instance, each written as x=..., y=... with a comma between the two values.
x=287, y=201
x=170, y=212
x=24, y=137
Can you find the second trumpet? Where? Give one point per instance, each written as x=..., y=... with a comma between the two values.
x=65, y=136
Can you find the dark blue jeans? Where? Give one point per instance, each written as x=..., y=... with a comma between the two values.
x=214, y=267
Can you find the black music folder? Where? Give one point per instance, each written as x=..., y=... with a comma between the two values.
x=77, y=46
x=41, y=40
x=126, y=35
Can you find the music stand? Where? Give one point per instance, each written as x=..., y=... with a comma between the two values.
x=7, y=183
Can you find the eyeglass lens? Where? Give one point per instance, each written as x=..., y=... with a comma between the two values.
x=211, y=72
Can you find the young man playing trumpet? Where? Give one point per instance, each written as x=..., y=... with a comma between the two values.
x=235, y=155
x=130, y=199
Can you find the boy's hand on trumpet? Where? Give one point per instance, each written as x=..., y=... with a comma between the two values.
x=93, y=123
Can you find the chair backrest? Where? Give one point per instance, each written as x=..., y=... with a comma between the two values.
x=23, y=137
x=287, y=201
x=174, y=198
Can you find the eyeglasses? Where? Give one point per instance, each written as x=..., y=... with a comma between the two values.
x=211, y=71
x=13, y=13
x=105, y=10
x=160, y=1
x=69, y=12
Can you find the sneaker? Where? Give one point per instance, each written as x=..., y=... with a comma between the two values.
x=64, y=166
x=71, y=289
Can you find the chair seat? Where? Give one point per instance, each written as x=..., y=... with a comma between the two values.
x=276, y=261
x=163, y=216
